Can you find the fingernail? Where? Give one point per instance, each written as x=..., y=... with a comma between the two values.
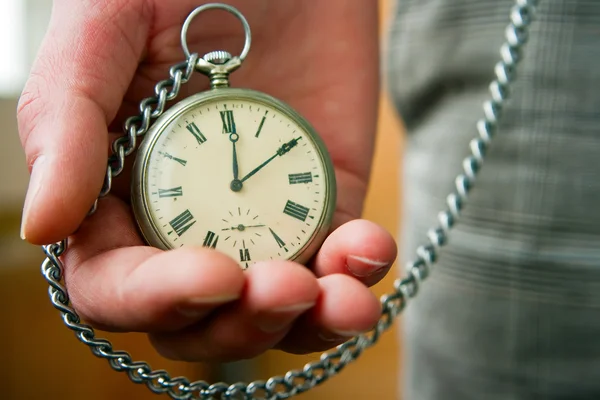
x=280, y=318
x=35, y=184
x=198, y=307
x=337, y=336
x=363, y=267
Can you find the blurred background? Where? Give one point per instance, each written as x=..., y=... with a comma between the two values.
x=41, y=359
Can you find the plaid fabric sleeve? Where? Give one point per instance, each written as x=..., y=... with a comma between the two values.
x=512, y=310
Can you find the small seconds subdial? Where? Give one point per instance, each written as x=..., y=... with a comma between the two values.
x=239, y=175
x=242, y=229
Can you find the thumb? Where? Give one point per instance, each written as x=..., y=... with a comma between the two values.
x=81, y=73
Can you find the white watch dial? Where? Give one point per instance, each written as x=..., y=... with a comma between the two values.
x=239, y=176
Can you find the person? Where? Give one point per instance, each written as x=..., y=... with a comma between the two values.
x=97, y=61
x=510, y=312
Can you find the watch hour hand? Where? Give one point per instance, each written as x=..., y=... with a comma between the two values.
x=284, y=149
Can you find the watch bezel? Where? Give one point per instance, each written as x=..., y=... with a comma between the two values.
x=140, y=198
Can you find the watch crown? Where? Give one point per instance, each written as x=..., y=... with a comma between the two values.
x=217, y=57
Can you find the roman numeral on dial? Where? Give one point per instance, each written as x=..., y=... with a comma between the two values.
x=194, y=130
x=262, y=122
x=245, y=255
x=174, y=192
x=304, y=177
x=228, y=121
x=180, y=161
x=182, y=222
x=169, y=156
x=211, y=240
x=279, y=241
x=296, y=210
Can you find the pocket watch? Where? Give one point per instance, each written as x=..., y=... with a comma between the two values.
x=233, y=169
x=233, y=166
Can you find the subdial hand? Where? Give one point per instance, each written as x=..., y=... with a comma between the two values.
x=242, y=227
x=284, y=149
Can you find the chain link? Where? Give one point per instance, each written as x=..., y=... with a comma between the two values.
x=295, y=381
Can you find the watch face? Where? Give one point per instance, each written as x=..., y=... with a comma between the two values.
x=236, y=172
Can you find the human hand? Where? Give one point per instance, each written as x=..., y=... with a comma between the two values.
x=99, y=58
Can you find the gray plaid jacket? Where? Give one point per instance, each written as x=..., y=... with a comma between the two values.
x=512, y=311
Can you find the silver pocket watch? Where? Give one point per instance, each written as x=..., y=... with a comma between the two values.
x=234, y=170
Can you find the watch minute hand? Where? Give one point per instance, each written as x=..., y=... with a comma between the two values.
x=286, y=147
x=235, y=161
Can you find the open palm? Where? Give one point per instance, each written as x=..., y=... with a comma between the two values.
x=99, y=59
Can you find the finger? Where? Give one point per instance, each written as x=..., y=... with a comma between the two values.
x=83, y=69
x=276, y=294
x=346, y=308
x=117, y=284
x=358, y=248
